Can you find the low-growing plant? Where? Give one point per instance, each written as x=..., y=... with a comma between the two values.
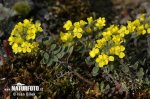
x=88, y=52
x=109, y=44
x=23, y=36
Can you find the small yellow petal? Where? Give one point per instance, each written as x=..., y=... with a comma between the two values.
x=79, y=35
x=101, y=64
x=148, y=30
x=92, y=54
x=111, y=58
x=121, y=55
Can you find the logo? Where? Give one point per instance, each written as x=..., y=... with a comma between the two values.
x=20, y=89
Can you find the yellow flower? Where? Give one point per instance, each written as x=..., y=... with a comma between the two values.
x=106, y=34
x=118, y=50
x=18, y=40
x=100, y=42
x=123, y=31
x=11, y=40
x=82, y=23
x=26, y=21
x=148, y=31
x=117, y=39
x=121, y=55
x=142, y=17
x=94, y=52
x=35, y=44
x=141, y=30
x=111, y=58
x=65, y=36
x=78, y=35
x=146, y=26
x=21, y=35
x=136, y=23
x=100, y=22
x=90, y=20
x=68, y=25
x=15, y=40
x=77, y=25
x=77, y=32
x=88, y=29
x=19, y=27
x=102, y=60
x=115, y=29
x=131, y=27
x=110, y=27
x=26, y=47
x=16, y=48
x=31, y=34
x=38, y=26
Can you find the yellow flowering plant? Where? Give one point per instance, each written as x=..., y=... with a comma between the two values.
x=108, y=42
x=111, y=43
x=80, y=29
x=22, y=38
x=110, y=53
x=87, y=43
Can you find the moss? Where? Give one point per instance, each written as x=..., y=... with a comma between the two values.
x=22, y=7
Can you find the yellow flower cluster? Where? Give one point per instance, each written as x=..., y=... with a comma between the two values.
x=140, y=25
x=94, y=52
x=117, y=50
x=100, y=22
x=103, y=59
x=110, y=43
x=111, y=39
x=78, y=29
x=22, y=38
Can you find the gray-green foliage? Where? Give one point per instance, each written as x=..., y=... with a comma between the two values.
x=6, y=12
x=56, y=54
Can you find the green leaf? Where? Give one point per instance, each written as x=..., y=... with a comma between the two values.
x=102, y=86
x=55, y=59
x=57, y=51
x=60, y=55
x=140, y=73
x=125, y=69
x=50, y=63
x=147, y=81
x=53, y=46
x=88, y=61
x=46, y=57
x=70, y=49
x=135, y=66
x=46, y=42
x=111, y=67
x=95, y=71
x=44, y=61
x=62, y=50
